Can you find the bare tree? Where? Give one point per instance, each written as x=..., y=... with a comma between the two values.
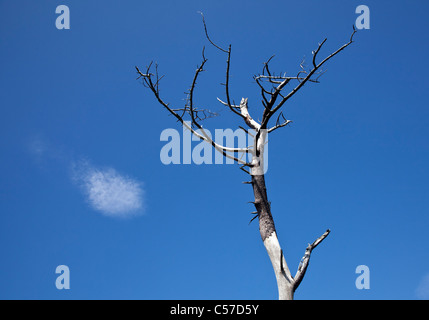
x=272, y=88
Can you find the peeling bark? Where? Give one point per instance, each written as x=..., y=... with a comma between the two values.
x=269, y=237
x=262, y=205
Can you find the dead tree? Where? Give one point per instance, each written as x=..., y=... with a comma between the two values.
x=272, y=88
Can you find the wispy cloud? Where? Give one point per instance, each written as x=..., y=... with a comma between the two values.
x=109, y=192
x=422, y=291
x=105, y=190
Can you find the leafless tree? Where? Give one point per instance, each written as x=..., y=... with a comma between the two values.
x=274, y=95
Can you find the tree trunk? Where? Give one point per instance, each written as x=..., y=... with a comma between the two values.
x=285, y=282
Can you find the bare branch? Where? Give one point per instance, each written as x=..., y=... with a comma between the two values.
x=256, y=216
x=242, y=168
x=317, y=51
x=228, y=99
x=228, y=103
x=199, y=114
x=280, y=124
x=285, y=123
x=269, y=111
x=152, y=84
x=247, y=132
x=191, y=91
x=207, y=35
x=302, y=268
x=245, y=114
x=263, y=91
x=273, y=79
x=266, y=68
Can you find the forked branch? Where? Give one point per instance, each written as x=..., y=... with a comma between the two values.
x=234, y=108
x=151, y=81
x=302, y=78
x=302, y=268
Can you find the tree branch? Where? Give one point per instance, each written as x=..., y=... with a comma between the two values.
x=153, y=85
x=191, y=91
x=270, y=110
x=228, y=103
x=302, y=268
x=278, y=124
x=207, y=35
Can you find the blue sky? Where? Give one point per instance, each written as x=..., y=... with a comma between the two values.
x=77, y=128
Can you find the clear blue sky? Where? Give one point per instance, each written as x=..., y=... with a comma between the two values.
x=355, y=159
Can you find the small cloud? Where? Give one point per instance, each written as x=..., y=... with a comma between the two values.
x=109, y=192
x=422, y=291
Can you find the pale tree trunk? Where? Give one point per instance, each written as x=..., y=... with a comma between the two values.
x=269, y=237
x=267, y=228
x=286, y=284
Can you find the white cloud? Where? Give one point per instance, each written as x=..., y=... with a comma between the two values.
x=422, y=290
x=109, y=192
